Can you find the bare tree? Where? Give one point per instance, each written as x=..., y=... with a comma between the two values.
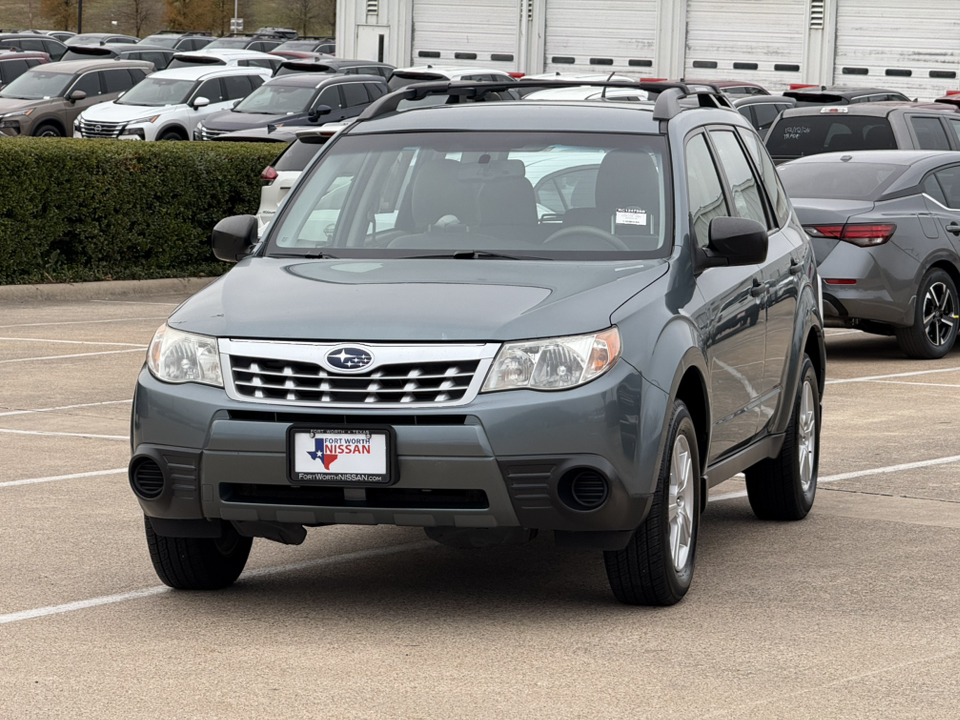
x=301, y=14
x=137, y=14
x=186, y=15
x=60, y=13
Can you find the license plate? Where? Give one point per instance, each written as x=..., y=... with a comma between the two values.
x=342, y=456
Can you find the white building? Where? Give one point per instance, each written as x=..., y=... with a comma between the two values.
x=907, y=45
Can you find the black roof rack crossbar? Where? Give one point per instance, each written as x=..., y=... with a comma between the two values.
x=669, y=94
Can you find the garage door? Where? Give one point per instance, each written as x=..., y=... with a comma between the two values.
x=590, y=36
x=889, y=44
x=453, y=32
x=759, y=41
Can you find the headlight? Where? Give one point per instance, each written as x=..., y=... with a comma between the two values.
x=148, y=119
x=553, y=364
x=137, y=132
x=180, y=357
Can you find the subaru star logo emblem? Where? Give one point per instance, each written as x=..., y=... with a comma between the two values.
x=349, y=359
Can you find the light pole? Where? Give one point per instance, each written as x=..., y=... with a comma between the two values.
x=79, y=16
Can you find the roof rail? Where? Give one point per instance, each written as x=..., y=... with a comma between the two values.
x=668, y=105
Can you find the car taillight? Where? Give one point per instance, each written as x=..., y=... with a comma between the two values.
x=859, y=234
x=516, y=75
x=268, y=175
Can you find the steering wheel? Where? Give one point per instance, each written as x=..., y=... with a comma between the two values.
x=611, y=240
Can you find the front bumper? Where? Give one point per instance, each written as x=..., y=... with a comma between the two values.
x=504, y=460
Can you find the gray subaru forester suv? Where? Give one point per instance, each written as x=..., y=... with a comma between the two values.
x=489, y=319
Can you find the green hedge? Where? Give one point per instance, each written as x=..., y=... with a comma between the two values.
x=73, y=210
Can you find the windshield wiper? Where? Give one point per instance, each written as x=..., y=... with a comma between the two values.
x=476, y=255
x=318, y=255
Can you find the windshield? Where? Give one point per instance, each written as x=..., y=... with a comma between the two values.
x=842, y=181
x=277, y=100
x=37, y=85
x=155, y=91
x=167, y=41
x=811, y=134
x=298, y=46
x=575, y=196
x=240, y=43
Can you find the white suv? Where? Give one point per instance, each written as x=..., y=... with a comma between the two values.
x=168, y=104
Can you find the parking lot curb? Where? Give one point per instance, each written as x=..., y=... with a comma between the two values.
x=102, y=290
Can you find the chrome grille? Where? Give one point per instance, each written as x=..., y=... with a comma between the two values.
x=307, y=382
x=90, y=129
x=202, y=133
x=291, y=373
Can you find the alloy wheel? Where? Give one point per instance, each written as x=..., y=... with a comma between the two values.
x=681, y=502
x=939, y=313
x=807, y=436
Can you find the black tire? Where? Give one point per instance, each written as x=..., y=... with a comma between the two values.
x=784, y=487
x=644, y=573
x=47, y=130
x=934, y=328
x=198, y=563
x=171, y=135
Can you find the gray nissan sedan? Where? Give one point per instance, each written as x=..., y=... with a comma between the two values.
x=886, y=233
x=489, y=319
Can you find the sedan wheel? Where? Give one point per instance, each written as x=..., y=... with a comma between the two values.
x=934, y=328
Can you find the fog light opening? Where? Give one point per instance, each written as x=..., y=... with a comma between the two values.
x=146, y=478
x=584, y=489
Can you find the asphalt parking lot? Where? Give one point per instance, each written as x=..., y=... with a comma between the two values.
x=852, y=613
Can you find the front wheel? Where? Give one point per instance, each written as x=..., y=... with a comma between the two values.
x=783, y=488
x=171, y=135
x=198, y=563
x=656, y=567
x=48, y=130
x=934, y=328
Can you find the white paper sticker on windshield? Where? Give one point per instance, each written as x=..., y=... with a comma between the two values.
x=631, y=216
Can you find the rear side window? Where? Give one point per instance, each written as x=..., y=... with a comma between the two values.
x=932, y=188
x=55, y=49
x=811, y=134
x=117, y=80
x=949, y=181
x=297, y=155
x=236, y=87
x=354, y=95
x=11, y=69
x=747, y=198
x=955, y=127
x=704, y=190
x=842, y=181
x=136, y=75
x=930, y=133
x=765, y=114
x=33, y=44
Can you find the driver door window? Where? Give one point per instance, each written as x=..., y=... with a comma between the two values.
x=704, y=189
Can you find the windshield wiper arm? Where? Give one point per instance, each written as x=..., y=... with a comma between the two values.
x=318, y=255
x=477, y=255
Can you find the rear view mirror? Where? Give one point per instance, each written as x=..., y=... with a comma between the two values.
x=233, y=237
x=735, y=241
x=76, y=95
x=320, y=110
x=199, y=102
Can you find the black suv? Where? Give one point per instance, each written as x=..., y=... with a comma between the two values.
x=295, y=100
x=489, y=319
x=816, y=129
x=33, y=42
x=841, y=95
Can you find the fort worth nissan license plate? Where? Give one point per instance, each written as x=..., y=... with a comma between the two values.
x=342, y=456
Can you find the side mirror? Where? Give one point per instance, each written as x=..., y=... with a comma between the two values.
x=199, y=102
x=735, y=241
x=233, y=237
x=76, y=95
x=237, y=102
x=320, y=110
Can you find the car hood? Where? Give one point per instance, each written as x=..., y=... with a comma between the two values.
x=413, y=299
x=9, y=105
x=111, y=112
x=228, y=121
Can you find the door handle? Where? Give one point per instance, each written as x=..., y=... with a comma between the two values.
x=954, y=228
x=796, y=267
x=758, y=288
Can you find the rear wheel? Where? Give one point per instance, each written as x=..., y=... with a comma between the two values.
x=934, y=328
x=656, y=567
x=48, y=130
x=198, y=563
x=783, y=488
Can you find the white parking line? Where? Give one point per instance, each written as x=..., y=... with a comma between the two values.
x=63, y=407
x=136, y=302
x=74, y=342
x=65, y=434
x=915, y=384
x=74, y=355
x=51, y=478
x=858, y=473
x=871, y=378
x=260, y=572
x=84, y=322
